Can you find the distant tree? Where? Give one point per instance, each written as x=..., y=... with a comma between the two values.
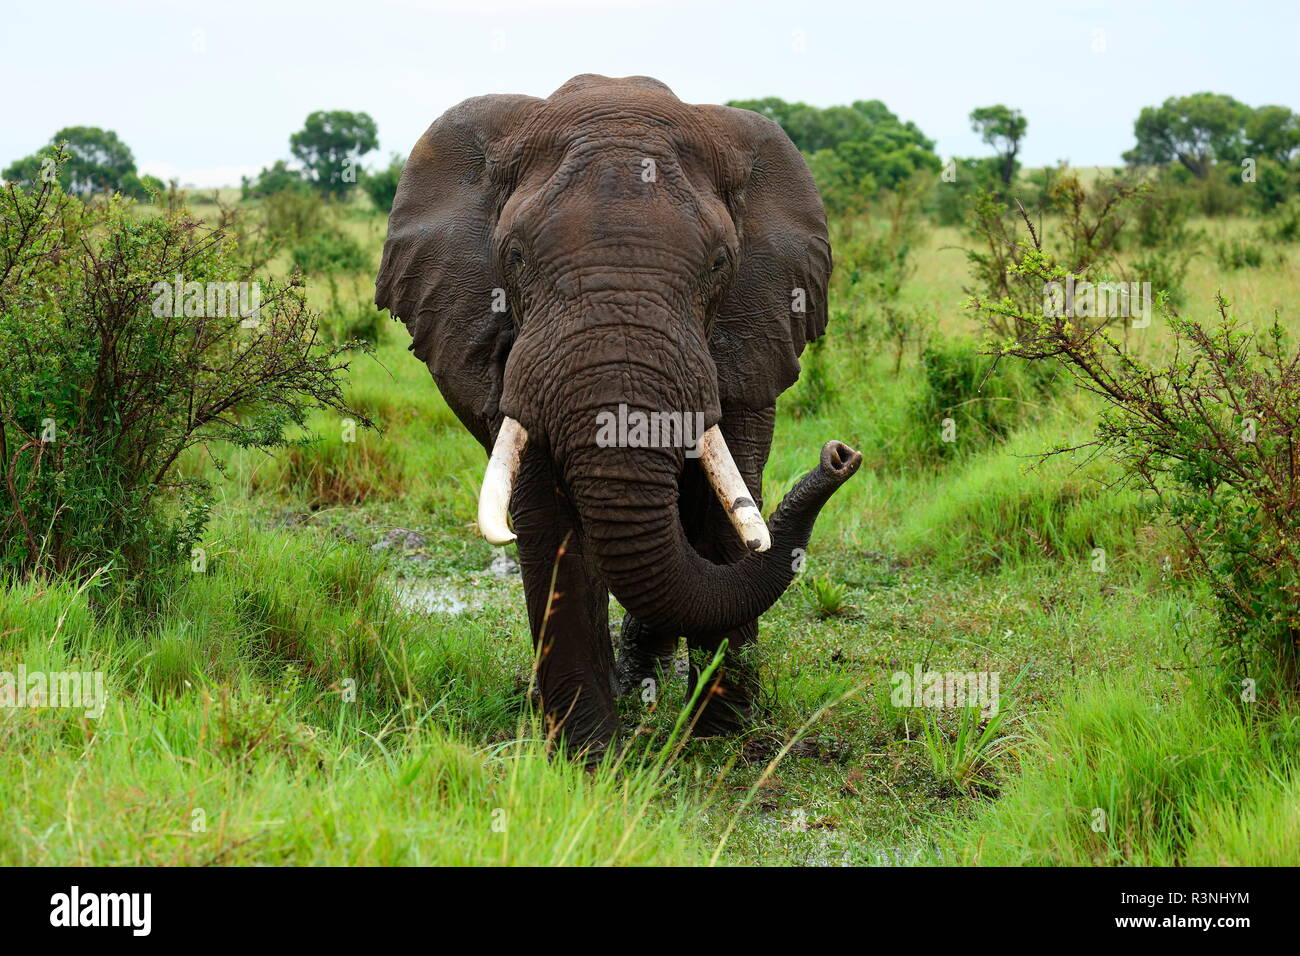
x=97, y=161
x=27, y=170
x=273, y=179
x=331, y=145
x=1003, y=129
x=971, y=175
x=381, y=185
x=852, y=150
x=1273, y=132
x=1192, y=130
x=844, y=190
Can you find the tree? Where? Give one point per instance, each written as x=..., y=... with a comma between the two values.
x=851, y=150
x=1273, y=132
x=1195, y=130
x=271, y=180
x=96, y=161
x=331, y=145
x=381, y=185
x=1003, y=129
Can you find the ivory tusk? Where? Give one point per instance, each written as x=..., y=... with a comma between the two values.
x=724, y=477
x=499, y=482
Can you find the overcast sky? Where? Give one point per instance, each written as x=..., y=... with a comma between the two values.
x=210, y=91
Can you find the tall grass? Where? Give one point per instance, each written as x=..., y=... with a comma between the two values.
x=1124, y=772
x=284, y=709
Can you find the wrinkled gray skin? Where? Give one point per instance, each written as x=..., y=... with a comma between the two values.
x=690, y=284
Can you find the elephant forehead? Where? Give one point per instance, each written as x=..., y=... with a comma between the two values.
x=648, y=123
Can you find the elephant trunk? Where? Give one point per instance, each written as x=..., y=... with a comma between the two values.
x=634, y=530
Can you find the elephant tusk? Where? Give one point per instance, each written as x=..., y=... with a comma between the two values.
x=730, y=488
x=499, y=482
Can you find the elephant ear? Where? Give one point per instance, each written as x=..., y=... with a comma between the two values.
x=438, y=273
x=777, y=299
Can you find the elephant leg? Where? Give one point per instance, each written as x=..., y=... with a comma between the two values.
x=568, y=613
x=643, y=654
x=727, y=703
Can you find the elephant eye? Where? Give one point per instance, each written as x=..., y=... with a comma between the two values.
x=516, y=257
x=719, y=261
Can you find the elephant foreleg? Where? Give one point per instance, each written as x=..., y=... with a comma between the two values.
x=643, y=655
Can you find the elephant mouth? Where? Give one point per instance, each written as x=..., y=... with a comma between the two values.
x=715, y=460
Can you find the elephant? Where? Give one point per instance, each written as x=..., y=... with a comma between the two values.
x=612, y=251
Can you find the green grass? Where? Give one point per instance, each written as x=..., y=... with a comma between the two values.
x=285, y=709
x=230, y=697
x=1117, y=778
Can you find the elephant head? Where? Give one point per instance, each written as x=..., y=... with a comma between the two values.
x=611, y=246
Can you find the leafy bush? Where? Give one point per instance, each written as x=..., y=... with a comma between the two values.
x=1284, y=225
x=381, y=185
x=1239, y=253
x=1275, y=184
x=272, y=180
x=354, y=318
x=1091, y=225
x=954, y=194
x=815, y=391
x=873, y=261
x=984, y=401
x=291, y=215
x=325, y=252
x=110, y=371
x=1214, y=434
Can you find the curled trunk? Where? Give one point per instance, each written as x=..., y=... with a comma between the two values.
x=655, y=573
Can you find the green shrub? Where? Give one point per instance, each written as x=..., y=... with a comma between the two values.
x=970, y=400
x=124, y=341
x=1283, y=226
x=381, y=185
x=326, y=252
x=1213, y=434
x=1165, y=267
x=1238, y=253
x=273, y=180
x=292, y=215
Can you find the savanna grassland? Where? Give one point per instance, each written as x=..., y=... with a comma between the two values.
x=344, y=681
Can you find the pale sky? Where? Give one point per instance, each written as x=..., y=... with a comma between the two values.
x=210, y=91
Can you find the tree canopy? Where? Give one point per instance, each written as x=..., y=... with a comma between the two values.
x=96, y=160
x=330, y=146
x=852, y=150
x=1193, y=130
x=1002, y=128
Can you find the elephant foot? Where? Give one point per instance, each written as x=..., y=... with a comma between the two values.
x=720, y=716
x=728, y=703
x=582, y=742
x=642, y=655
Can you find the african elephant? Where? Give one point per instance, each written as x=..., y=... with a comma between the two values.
x=611, y=250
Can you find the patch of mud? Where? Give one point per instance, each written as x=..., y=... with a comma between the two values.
x=402, y=540
x=500, y=582
x=433, y=597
